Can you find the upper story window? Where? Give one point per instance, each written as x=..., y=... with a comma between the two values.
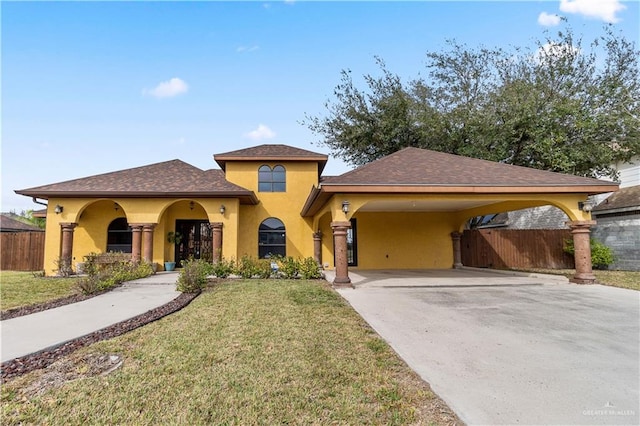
x=272, y=180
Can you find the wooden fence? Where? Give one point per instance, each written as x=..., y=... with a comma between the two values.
x=516, y=248
x=21, y=251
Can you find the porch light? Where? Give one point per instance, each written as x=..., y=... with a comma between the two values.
x=58, y=209
x=191, y=205
x=345, y=207
x=585, y=206
x=222, y=209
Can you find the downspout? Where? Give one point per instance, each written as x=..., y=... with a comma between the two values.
x=35, y=200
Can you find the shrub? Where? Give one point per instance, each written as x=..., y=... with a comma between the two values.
x=193, y=276
x=601, y=255
x=309, y=269
x=223, y=268
x=104, y=276
x=247, y=267
x=288, y=266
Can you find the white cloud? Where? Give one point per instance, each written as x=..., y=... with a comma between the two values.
x=247, y=48
x=600, y=9
x=168, y=89
x=548, y=19
x=262, y=132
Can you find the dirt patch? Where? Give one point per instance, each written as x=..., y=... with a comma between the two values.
x=69, y=369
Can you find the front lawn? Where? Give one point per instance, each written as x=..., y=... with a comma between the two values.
x=244, y=352
x=19, y=289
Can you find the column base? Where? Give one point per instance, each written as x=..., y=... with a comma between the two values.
x=342, y=283
x=583, y=279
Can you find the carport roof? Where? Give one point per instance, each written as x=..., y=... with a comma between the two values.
x=422, y=171
x=415, y=166
x=168, y=179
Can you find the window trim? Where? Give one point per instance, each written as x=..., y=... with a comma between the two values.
x=269, y=184
x=282, y=245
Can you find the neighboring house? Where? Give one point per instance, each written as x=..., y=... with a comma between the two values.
x=9, y=224
x=618, y=227
x=545, y=217
x=403, y=211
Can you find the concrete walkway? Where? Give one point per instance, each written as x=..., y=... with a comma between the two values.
x=506, y=350
x=32, y=333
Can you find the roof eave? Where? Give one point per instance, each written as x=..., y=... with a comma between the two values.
x=468, y=189
x=246, y=197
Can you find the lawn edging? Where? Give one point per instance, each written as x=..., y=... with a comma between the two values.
x=37, y=360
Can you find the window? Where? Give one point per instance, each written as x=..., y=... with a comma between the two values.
x=119, y=236
x=272, y=180
x=272, y=238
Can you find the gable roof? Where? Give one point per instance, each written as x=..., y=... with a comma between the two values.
x=422, y=171
x=271, y=153
x=626, y=199
x=9, y=224
x=168, y=179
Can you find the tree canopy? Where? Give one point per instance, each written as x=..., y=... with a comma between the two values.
x=560, y=106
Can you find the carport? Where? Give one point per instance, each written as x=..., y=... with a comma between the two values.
x=407, y=210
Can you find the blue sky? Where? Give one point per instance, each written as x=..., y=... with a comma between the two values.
x=94, y=87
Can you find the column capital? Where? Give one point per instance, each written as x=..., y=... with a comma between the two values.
x=341, y=224
x=317, y=235
x=215, y=225
x=148, y=226
x=456, y=235
x=580, y=224
x=68, y=226
x=136, y=226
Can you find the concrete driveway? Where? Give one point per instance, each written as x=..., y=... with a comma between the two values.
x=503, y=349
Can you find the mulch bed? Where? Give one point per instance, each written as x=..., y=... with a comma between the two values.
x=42, y=359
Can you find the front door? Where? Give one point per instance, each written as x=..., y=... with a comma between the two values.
x=196, y=241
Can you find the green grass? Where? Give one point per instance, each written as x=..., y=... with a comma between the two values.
x=622, y=279
x=245, y=352
x=19, y=289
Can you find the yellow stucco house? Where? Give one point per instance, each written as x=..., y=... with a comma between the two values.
x=404, y=211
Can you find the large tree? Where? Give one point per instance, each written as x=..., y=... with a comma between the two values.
x=560, y=106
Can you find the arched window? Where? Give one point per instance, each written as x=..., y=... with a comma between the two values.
x=119, y=236
x=272, y=238
x=272, y=180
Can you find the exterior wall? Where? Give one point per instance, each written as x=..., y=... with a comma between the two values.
x=622, y=234
x=629, y=173
x=398, y=240
x=286, y=206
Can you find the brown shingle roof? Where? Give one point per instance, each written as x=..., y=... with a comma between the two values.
x=625, y=198
x=271, y=153
x=167, y=179
x=415, y=166
x=8, y=224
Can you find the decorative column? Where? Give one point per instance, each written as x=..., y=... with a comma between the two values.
x=340, y=246
x=582, y=255
x=317, y=247
x=66, y=249
x=457, y=250
x=216, y=240
x=147, y=237
x=136, y=241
